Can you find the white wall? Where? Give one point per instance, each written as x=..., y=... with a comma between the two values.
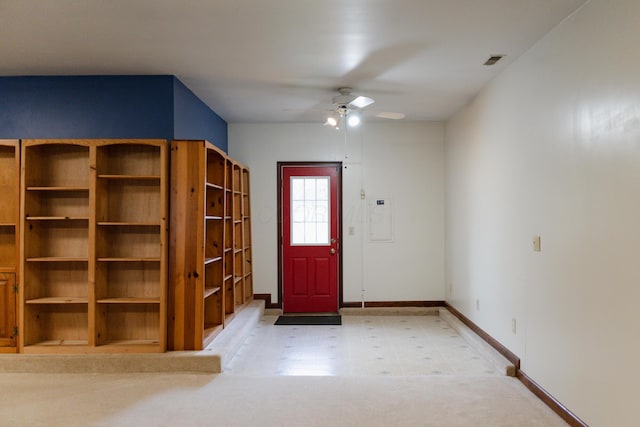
x=552, y=148
x=402, y=161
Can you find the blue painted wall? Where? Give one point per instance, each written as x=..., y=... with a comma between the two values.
x=105, y=107
x=193, y=119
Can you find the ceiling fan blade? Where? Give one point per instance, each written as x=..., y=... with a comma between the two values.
x=381, y=61
x=361, y=102
x=391, y=115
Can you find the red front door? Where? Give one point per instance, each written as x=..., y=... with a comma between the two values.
x=310, y=252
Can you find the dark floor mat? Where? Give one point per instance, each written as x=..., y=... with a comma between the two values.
x=309, y=320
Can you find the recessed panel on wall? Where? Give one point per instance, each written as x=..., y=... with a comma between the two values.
x=380, y=219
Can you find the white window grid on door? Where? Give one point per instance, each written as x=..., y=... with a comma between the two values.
x=310, y=207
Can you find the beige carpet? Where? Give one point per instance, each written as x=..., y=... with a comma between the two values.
x=233, y=400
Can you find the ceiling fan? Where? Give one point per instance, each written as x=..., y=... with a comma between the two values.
x=347, y=107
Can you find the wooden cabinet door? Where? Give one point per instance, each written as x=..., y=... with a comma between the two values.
x=7, y=310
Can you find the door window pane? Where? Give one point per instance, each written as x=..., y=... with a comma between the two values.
x=297, y=233
x=309, y=188
x=322, y=190
x=322, y=233
x=297, y=190
x=298, y=212
x=309, y=210
x=322, y=212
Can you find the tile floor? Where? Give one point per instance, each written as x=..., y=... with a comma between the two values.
x=361, y=346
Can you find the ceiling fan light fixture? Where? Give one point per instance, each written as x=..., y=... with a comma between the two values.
x=346, y=99
x=331, y=121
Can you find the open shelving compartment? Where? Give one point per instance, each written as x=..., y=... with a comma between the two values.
x=229, y=281
x=54, y=255
x=246, y=237
x=238, y=252
x=131, y=212
x=214, y=211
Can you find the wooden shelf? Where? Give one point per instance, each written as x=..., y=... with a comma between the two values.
x=214, y=186
x=132, y=343
x=56, y=259
x=83, y=347
x=131, y=177
x=57, y=300
x=128, y=224
x=213, y=217
x=211, y=328
x=212, y=260
x=55, y=218
x=82, y=189
x=60, y=343
x=129, y=300
x=211, y=291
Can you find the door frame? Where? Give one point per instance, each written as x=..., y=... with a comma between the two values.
x=280, y=239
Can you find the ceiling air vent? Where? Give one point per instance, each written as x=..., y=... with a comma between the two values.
x=493, y=59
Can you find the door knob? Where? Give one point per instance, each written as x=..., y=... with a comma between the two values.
x=332, y=251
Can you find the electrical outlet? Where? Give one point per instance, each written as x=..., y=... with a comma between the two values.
x=513, y=325
x=536, y=243
x=478, y=305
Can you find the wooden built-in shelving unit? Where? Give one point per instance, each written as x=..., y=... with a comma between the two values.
x=207, y=247
x=93, y=254
x=90, y=259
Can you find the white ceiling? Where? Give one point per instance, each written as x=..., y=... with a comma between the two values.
x=281, y=60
